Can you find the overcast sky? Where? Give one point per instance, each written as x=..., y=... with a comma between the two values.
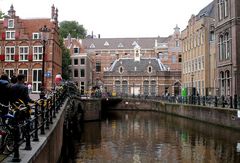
x=114, y=18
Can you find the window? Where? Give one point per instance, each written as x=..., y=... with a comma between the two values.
x=227, y=45
x=75, y=75
x=225, y=8
x=25, y=72
x=9, y=53
x=179, y=58
x=117, y=87
x=145, y=87
x=173, y=59
x=82, y=87
x=220, y=9
x=212, y=36
x=124, y=87
x=153, y=88
x=23, y=53
x=10, y=23
x=76, y=50
x=121, y=70
x=75, y=61
x=82, y=61
x=37, y=80
x=149, y=69
x=82, y=73
x=10, y=35
x=9, y=72
x=37, y=53
x=177, y=43
x=36, y=36
x=98, y=67
x=220, y=47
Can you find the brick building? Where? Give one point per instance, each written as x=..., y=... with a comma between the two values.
x=228, y=46
x=81, y=64
x=21, y=48
x=198, y=53
x=105, y=52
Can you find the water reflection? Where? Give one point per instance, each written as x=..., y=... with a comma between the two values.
x=154, y=137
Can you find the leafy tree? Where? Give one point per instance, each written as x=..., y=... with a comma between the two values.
x=2, y=15
x=72, y=27
x=65, y=60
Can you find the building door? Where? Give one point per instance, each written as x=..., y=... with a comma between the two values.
x=135, y=90
x=37, y=80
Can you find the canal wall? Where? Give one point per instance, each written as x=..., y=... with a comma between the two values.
x=219, y=116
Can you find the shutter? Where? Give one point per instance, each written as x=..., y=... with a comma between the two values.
x=5, y=23
x=16, y=57
x=30, y=57
x=3, y=36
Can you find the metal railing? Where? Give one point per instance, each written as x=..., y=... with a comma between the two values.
x=35, y=119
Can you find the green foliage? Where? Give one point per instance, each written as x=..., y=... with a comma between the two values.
x=65, y=60
x=72, y=27
x=2, y=15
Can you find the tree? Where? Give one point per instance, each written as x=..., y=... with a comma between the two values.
x=72, y=27
x=65, y=60
x=2, y=15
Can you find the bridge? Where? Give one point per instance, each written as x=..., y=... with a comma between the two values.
x=54, y=119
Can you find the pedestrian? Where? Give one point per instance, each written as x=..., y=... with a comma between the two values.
x=5, y=94
x=13, y=79
x=29, y=88
x=20, y=91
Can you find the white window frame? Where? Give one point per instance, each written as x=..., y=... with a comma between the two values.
x=8, y=72
x=10, y=35
x=36, y=82
x=24, y=71
x=84, y=61
x=10, y=25
x=23, y=56
x=38, y=55
x=9, y=56
x=36, y=36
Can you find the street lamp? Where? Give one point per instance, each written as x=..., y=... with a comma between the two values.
x=44, y=38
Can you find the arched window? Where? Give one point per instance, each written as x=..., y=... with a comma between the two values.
x=220, y=47
x=117, y=86
x=125, y=87
x=227, y=45
x=225, y=8
x=222, y=82
x=220, y=9
x=146, y=87
x=228, y=83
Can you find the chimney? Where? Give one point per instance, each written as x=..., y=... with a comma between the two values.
x=99, y=36
x=53, y=12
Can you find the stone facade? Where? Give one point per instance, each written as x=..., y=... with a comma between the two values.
x=228, y=46
x=198, y=45
x=22, y=49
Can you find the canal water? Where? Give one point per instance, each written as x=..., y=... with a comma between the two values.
x=149, y=137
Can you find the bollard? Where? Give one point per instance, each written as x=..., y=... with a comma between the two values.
x=204, y=100
x=215, y=101
x=198, y=98
x=235, y=101
x=223, y=102
x=231, y=102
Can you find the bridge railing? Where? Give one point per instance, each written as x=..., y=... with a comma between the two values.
x=36, y=118
x=212, y=101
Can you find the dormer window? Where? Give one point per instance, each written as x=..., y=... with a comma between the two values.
x=120, y=45
x=149, y=69
x=106, y=44
x=75, y=50
x=92, y=46
x=121, y=70
x=11, y=23
x=35, y=36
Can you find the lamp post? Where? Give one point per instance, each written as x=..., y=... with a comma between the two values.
x=44, y=38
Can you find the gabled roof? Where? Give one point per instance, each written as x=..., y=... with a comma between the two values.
x=130, y=65
x=144, y=43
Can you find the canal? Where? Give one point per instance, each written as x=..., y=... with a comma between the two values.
x=148, y=137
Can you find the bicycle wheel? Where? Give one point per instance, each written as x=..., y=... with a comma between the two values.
x=10, y=143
